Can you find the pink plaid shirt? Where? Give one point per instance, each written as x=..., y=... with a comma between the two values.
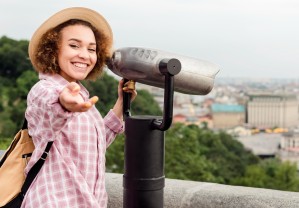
x=73, y=174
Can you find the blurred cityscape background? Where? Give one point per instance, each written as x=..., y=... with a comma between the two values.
x=260, y=113
x=244, y=132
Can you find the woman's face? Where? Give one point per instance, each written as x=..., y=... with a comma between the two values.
x=77, y=52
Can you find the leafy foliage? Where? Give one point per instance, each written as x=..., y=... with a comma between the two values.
x=106, y=89
x=13, y=57
x=200, y=151
x=115, y=155
x=272, y=174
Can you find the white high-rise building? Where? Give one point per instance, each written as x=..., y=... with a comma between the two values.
x=272, y=110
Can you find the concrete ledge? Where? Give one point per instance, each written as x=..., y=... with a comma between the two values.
x=190, y=194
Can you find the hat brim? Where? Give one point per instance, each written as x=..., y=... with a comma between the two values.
x=88, y=15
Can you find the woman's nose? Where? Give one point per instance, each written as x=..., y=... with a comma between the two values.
x=84, y=53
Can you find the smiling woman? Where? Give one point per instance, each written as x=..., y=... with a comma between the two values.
x=70, y=46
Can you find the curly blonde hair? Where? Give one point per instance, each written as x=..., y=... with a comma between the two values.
x=47, y=50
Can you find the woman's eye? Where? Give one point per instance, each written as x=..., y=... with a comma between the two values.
x=92, y=50
x=74, y=46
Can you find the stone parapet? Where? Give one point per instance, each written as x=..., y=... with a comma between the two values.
x=191, y=194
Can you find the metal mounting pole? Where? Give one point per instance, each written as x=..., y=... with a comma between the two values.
x=144, y=178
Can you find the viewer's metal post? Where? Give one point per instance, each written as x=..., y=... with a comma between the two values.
x=144, y=178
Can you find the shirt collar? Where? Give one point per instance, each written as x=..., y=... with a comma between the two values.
x=60, y=81
x=56, y=78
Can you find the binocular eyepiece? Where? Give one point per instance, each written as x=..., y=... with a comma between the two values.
x=192, y=76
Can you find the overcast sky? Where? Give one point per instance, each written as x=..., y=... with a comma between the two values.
x=252, y=38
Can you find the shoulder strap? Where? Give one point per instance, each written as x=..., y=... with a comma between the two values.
x=25, y=124
x=36, y=167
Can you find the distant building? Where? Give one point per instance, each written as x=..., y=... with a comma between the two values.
x=196, y=120
x=239, y=131
x=271, y=110
x=289, y=147
x=206, y=120
x=227, y=115
x=263, y=145
x=179, y=118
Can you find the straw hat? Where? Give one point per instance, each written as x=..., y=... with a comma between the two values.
x=88, y=15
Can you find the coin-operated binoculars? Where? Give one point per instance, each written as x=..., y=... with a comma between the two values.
x=144, y=178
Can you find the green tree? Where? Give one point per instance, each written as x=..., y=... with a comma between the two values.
x=17, y=98
x=13, y=57
x=229, y=155
x=25, y=82
x=184, y=158
x=197, y=150
x=106, y=89
x=286, y=177
x=272, y=174
x=7, y=126
x=115, y=155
